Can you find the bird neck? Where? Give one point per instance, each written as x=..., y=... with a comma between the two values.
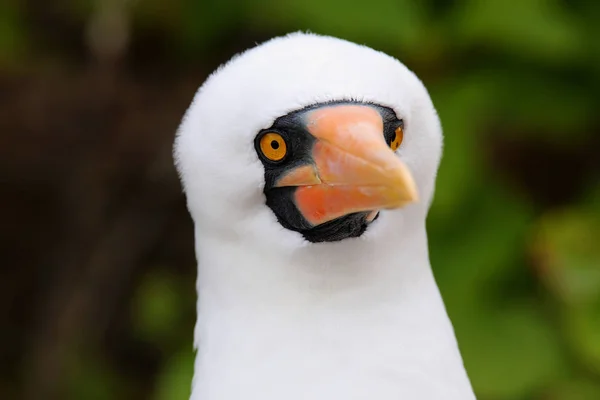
x=355, y=319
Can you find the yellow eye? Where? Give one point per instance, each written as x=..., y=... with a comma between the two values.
x=397, y=139
x=273, y=146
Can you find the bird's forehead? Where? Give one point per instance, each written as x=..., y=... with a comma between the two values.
x=290, y=73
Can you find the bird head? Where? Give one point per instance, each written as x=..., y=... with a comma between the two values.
x=308, y=139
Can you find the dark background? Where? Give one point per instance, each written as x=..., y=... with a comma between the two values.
x=97, y=295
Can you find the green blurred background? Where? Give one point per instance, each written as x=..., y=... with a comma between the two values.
x=97, y=295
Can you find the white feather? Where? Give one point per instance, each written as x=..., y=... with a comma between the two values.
x=281, y=318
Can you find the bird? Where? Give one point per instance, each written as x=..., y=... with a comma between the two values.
x=308, y=163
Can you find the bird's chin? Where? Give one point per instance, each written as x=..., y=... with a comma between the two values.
x=347, y=226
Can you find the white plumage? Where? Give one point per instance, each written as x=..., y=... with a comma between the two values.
x=283, y=318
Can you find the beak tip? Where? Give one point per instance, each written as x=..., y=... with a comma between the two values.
x=413, y=193
x=406, y=187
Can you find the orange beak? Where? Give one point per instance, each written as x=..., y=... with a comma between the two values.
x=353, y=168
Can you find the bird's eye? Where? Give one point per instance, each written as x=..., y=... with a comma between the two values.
x=397, y=140
x=273, y=146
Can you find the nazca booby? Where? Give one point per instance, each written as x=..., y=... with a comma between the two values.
x=309, y=165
